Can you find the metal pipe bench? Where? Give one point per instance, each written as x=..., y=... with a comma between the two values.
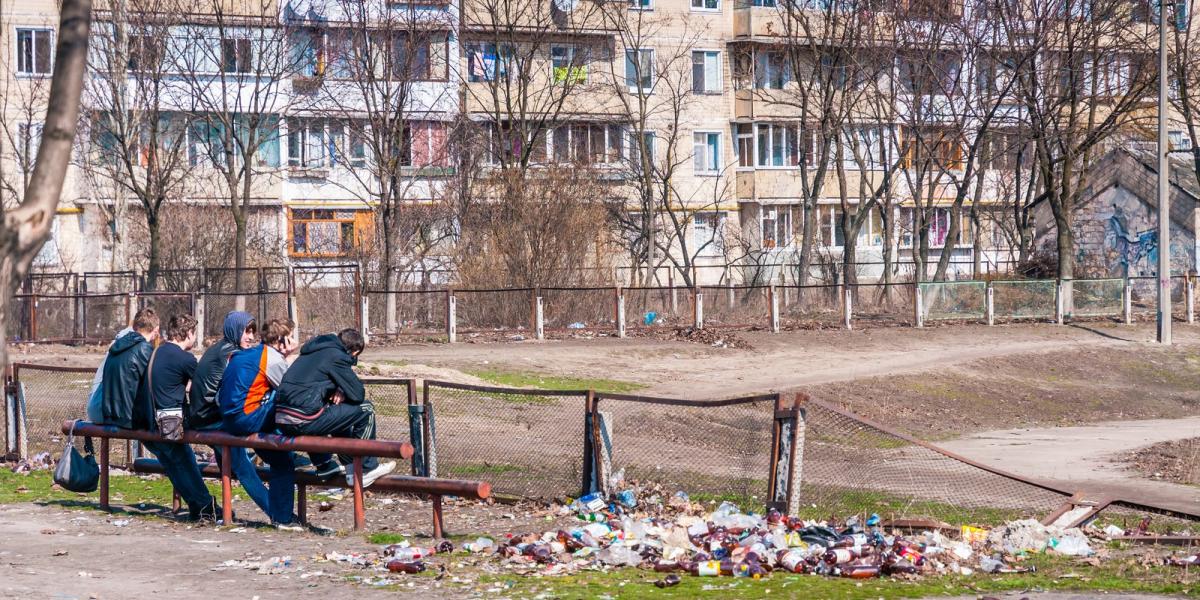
x=357, y=448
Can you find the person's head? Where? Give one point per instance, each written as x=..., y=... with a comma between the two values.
x=240, y=329
x=145, y=322
x=352, y=340
x=181, y=331
x=278, y=335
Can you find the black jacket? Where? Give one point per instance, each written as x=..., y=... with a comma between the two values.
x=124, y=368
x=202, y=399
x=323, y=367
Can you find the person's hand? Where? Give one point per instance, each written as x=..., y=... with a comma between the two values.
x=337, y=397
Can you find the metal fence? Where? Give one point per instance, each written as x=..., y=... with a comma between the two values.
x=954, y=300
x=1025, y=299
x=555, y=444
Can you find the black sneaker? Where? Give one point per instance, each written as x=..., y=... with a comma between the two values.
x=330, y=469
x=303, y=464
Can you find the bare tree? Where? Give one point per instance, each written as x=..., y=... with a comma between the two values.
x=27, y=225
x=1185, y=74
x=138, y=132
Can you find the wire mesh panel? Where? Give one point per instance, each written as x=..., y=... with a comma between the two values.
x=1143, y=293
x=579, y=308
x=715, y=449
x=390, y=397
x=325, y=299
x=883, y=304
x=810, y=305
x=524, y=442
x=736, y=306
x=416, y=312
x=53, y=395
x=1097, y=297
x=165, y=305
x=854, y=466
x=648, y=307
x=56, y=317
x=954, y=300
x=104, y=315
x=1025, y=299
x=494, y=310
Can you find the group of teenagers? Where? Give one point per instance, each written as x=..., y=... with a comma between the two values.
x=252, y=381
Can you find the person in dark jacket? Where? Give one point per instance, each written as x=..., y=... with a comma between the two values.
x=124, y=366
x=165, y=388
x=321, y=395
x=239, y=333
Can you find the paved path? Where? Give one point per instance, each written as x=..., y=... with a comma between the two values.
x=1086, y=457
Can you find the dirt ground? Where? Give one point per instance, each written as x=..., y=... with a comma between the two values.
x=1176, y=461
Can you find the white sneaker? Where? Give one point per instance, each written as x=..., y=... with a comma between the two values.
x=370, y=476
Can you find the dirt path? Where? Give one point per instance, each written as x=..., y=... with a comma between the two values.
x=1086, y=458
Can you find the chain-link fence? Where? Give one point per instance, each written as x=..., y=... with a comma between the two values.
x=49, y=395
x=524, y=442
x=954, y=300
x=809, y=306
x=1025, y=299
x=853, y=466
x=1097, y=298
x=649, y=307
x=883, y=303
x=579, y=309
x=419, y=313
x=736, y=306
x=391, y=398
x=717, y=449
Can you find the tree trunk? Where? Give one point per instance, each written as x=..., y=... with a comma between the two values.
x=153, y=257
x=948, y=244
x=239, y=258
x=806, y=243
x=1065, y=239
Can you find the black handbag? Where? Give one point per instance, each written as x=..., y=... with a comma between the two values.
x=77, y=472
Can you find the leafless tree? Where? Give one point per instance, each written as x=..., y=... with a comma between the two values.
x=27, y=225
x=1185, y=67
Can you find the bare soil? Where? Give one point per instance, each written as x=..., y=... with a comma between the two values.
x=1176, y=460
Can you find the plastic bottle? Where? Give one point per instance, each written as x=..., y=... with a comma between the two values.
x=711, y=568
x=408, y=554
x=838, y=556
x=860, y=569
x=404, y=566
x=668, y=581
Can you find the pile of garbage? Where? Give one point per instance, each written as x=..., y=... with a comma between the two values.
x=677, y=537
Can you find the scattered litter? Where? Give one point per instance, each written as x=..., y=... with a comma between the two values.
x=120, y=523
x=577, y=325
x=41, y=461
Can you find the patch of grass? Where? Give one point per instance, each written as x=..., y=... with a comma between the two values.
x=481, y=469
x=123, y=490
x=385, y=538
x=553, y=382
x=1054, y=574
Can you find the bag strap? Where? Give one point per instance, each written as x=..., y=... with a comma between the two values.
x=150, y=389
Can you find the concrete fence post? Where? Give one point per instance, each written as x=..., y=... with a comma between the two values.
x=1189, y=283
x=773, y=302
x=918, y=306
x=198, y=303
x=364, y=318
x=539, y=324
x=990, y=304
x=620, y=313
x=847, y=306
x=697, y=309
x=674, y=292
x=451, y=317
x=732, y=294
x=1060, y=298
x=130, y=308
x=787, y=452
x=1127, y=301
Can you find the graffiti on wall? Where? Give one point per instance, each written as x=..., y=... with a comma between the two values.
x=1131, y=240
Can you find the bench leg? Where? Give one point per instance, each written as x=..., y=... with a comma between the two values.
x=226, y=486
x=437, y=517
x=175, y=503
x=360, y=514
x=104, y=473
x=302, y=503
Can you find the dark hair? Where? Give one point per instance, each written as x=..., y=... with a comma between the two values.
x=352, y=340
x=179, y=327
x=145, y=321
x=277, y=330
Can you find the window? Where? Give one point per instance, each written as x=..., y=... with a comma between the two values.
x=706, y=72
x=1106, y=75
x=707, y=233
x=764, y=3
x=1178, y=140
x=236, y=56
x=706, y=4
x=776, y=225
x=306, y=143
x=864, y=144
x=930, y=75
x=771, y=70
x=938, y=147
x=641, y=4
x=484, y=63
x=783, y=145
x=145, y=53
x=206, y=145
x=639, y=70
x=327, y=233
x=305, y=52
x=420, y=57
x=29, y=140
x=706, y=153
x=938, y=225
x=569, y=64
x=586, y=143
x=33, y=51
x=635, y=150
x=745, y=144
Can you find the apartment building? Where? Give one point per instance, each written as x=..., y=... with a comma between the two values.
x=720, y=126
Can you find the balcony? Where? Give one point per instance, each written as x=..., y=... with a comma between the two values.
x=539, y=18
x=757, y=22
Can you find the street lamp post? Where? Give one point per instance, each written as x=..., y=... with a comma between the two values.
x=1164, y=178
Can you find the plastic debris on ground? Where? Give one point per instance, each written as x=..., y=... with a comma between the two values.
x=38, y=462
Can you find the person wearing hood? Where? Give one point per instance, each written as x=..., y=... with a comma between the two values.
x=321, y=395
x=239, y=331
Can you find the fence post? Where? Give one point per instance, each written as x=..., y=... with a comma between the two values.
x=198, y=303
x=674, y=293
x=773, y=302
x=130, y=308
x=620, y=307
x=416, y=431
x=787, y=453
x=990, y=304
x=33, y=311
x=1059, y=298
x=591, y=471
x=11, y=418
x=697, y=309
x=292, y=302
x=918, y=305
x=1127, y=301
x=847, y=306
x=451, y=318
x=539, y=324
x=1189, y=289
x=430, y=432
x=364, y=318
x=732, y=299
